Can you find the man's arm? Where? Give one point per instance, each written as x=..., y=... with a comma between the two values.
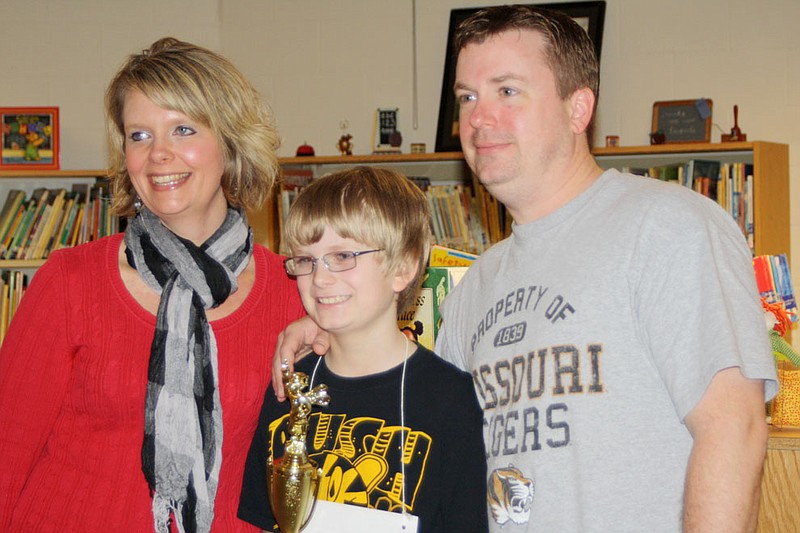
x=723, y=480
x=295, y=342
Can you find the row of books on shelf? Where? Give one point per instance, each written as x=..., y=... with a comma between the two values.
x=464, y=217
x=774, y=282
x=12, y=286
x=33, y=226
x=458, y=218
x=729, y=184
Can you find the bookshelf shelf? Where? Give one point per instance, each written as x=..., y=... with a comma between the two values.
x=372, y=159
x=675, y=148
x=5, y=174
x=20, y=263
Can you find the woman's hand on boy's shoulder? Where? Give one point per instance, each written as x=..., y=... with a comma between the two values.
x=300, y=338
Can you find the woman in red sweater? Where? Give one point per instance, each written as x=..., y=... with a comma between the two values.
x=132, y=375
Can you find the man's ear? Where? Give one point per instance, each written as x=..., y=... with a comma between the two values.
x=582, y=108
x=404, y=275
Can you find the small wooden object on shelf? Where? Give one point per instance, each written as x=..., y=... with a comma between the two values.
x=736, y=133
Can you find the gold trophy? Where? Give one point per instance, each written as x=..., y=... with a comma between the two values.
x=292, y=480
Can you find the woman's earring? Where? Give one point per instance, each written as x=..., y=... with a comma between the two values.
x=137, y=204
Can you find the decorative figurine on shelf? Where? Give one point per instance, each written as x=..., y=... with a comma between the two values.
x=736, y=133
x=305, y=149
x=345, y=144
x=293, y=479
x=658, y=137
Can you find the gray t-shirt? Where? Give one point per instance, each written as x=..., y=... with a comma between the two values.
x=590, y=334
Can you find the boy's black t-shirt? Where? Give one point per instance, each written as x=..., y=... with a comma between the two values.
x=356, y=440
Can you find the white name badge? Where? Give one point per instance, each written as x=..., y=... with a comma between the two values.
x=330, y=517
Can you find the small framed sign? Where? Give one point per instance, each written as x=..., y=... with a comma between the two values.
x=683, y=121
x=386, y=137
x=30, y=138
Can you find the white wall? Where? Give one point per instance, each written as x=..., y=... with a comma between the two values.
x=57, y=53
x=319, y=62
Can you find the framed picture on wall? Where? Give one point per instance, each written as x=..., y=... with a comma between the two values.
x=29, y=138
x=590, y=16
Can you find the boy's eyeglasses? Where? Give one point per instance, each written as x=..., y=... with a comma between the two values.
x=303, y=265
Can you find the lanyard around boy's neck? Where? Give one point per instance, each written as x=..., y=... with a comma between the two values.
x=402, y=423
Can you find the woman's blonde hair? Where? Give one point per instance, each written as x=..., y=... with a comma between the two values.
x=374, y=206
x=207, y=88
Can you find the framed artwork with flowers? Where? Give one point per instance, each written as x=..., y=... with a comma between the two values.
x=30, y=138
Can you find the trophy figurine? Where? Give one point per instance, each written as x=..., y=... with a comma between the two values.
x=292, y=480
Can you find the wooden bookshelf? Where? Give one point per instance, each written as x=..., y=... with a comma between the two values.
x=770, y=167
x=28, y=181
x=20, y=263
x=373, y=159
x=6, y=174
x=781, y=484
x=442, y=168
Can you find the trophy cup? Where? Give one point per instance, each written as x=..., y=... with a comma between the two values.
x=292, y=480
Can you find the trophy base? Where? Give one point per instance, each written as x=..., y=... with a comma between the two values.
x=292, y=488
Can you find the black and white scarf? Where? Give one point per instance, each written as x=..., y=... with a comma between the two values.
x=182, y=448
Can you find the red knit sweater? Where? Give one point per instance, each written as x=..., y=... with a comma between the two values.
x=73, y=372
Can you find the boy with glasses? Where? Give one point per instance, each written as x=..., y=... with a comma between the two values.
x=403, y=430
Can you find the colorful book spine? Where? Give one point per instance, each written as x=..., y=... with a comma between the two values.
x=774, y=281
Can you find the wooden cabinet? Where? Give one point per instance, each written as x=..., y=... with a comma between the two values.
x=780, y=489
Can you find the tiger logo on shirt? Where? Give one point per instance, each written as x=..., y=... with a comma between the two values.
x=510, y=495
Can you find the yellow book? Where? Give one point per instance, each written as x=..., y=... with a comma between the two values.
x=422, y=319
x=54, y=217
x=3, y=310
x=40, y=196
x=442, y=256
x=76, y=228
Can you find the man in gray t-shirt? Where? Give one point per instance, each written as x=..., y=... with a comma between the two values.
x=616, y=338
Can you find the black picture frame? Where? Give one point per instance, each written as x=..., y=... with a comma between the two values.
x=681, y=121
x=591, y=16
